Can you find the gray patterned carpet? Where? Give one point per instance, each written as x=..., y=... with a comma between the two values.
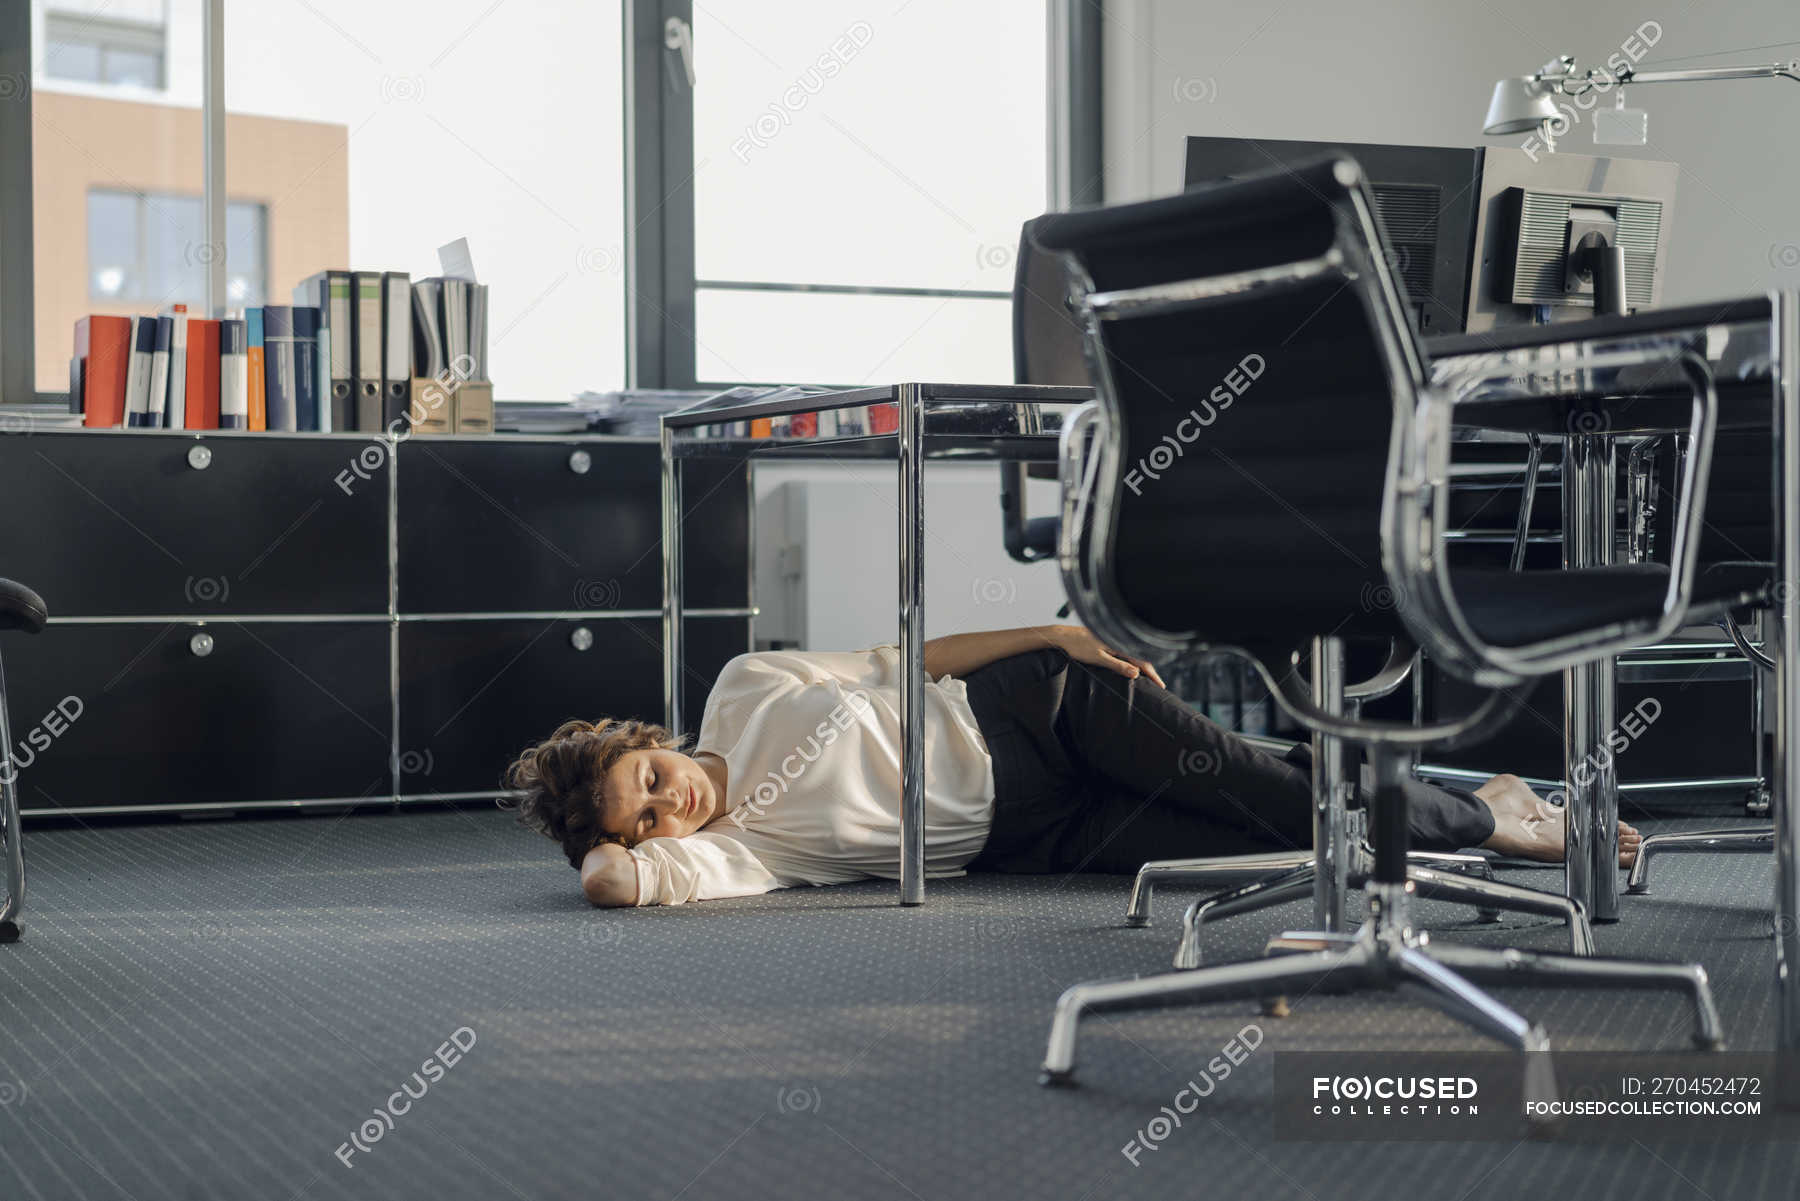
x=214, y=1010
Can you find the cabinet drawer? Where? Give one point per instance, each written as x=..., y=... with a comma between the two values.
x=508, y=526
x=473, y=694
x=275, y=711
x=118, y=525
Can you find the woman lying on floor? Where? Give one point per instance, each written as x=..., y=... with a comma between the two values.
x=1044, y=750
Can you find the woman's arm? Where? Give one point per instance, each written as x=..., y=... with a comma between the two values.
x=608, y=876
x=960, y=654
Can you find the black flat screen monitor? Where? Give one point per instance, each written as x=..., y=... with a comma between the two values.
x=1425, y=197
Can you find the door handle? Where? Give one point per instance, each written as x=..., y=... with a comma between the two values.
x=679, y=35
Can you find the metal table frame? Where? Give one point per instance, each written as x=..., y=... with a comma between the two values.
x=961, y=421
x=1591, y=866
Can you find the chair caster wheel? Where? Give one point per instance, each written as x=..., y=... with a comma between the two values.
x=1637, y=890
x=1054, y=1079
x=1757, y=801
x=1708, y=1044
x=1136, y=923
x=1487, y=917
x=11, y=932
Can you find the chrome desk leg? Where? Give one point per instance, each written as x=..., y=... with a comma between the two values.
x=1493, y=894
x=912, y=643
x=671, y=572
x=1784, y=770
x=1221, y=870
x=1757, y=840
x=1591, y=851
x=1331, y=791
x=1252, y=978
x=13, y=899
x=1259, y=894
x=1512, y=966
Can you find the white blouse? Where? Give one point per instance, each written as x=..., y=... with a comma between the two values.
x=812, y=746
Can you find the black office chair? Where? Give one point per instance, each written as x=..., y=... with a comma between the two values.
x=1737, y=538
x=1312, y=509
x=1046, y=350
x=20, y=609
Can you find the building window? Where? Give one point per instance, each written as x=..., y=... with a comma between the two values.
x=99, y=43
x=148, y=248
x=884, y=206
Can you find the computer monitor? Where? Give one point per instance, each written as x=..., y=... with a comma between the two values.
x=1541, y=221
x=1425, y=196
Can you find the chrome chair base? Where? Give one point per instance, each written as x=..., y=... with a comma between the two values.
x=1384, y=953
x=1236, y=869
x=1489, y=896
x=1757, y=840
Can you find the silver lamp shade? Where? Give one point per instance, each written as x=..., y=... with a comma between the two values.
x=1519, y=105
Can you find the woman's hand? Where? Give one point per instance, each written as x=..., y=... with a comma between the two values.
x=1079, y=643
x=608, y=876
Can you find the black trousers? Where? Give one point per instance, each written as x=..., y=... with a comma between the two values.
x=1094, y=772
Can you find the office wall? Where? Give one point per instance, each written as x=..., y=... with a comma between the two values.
x=851, y=558
x=1421, y=71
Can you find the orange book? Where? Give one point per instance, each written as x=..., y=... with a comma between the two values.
x=202, y=374
x=759, y=427
x=259, y=401
x=256, y=389
x=104, y=343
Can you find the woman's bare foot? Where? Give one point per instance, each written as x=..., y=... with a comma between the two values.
x=1529, y=827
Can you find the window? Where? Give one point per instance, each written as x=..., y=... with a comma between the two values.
x=376, y=131
x=100, y=41
x=148, y=249
x=859, y=185
x=114, y=117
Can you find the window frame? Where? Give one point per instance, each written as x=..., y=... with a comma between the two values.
x=109, y=35
x=661, y=288
x=141, y=216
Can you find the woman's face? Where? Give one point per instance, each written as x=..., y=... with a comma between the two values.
x=656, y=794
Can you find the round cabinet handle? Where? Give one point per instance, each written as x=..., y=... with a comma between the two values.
x=201, y=644
x=199, y=457
x=582, y=638
x=580, y=461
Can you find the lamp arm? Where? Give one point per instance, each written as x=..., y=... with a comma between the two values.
x=1570, y=82
x=1790, y=70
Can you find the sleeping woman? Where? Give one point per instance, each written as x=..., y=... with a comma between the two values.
x=1045, y=751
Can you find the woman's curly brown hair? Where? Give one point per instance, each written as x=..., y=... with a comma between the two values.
x=559, y=779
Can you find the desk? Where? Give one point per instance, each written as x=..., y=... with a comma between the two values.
x=920, y=421
x=1753, y=348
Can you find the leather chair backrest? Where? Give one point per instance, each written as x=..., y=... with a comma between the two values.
x=1242, y=491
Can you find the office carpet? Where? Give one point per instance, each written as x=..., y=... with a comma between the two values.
x=242, y=1010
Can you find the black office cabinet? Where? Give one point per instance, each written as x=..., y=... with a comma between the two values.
x=116, y=524
x=184, y=714
x=247, y=620
x=474, y=694
x=495, y=526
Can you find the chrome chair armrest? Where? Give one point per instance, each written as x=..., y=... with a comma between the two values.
x=1076, y=475
x=1534, y=461
x=1640, y=497
x=1418, y=512
x=1402, y=658
x=1752, y=651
